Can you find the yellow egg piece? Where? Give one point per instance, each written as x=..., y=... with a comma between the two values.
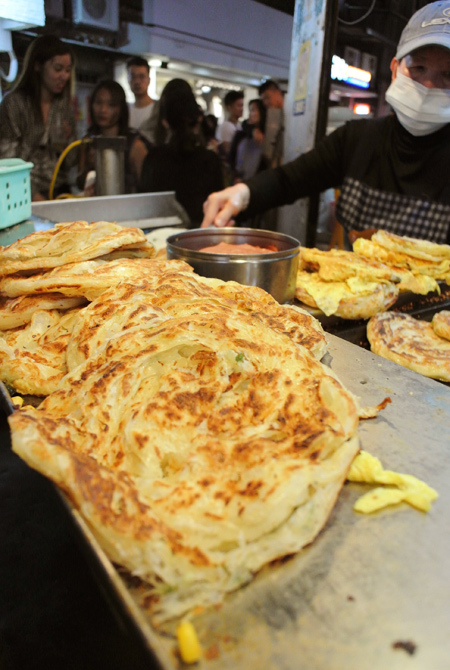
x=188, y=644
x=368, y=469
x=17, y=400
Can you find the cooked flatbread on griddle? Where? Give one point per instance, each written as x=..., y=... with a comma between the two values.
x=424, y=249
x=412, y=343
x=33, y=358
x=441, y=324
x=435, y=268
x=16, y=312
x=351, y=299
x=69, y=243
x=90, y=278
x=198, y=449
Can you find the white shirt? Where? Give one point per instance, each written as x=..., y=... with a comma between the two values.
x=225, y=132
x=137, y=115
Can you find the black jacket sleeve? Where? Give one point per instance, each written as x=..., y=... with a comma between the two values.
x=312, y=172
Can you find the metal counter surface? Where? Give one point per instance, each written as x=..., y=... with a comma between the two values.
x=367, y=582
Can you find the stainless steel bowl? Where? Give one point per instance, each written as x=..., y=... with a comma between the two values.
x=275, y=271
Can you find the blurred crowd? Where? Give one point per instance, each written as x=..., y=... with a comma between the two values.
x=171, y=143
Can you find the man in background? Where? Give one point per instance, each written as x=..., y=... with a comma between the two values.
x=142, y=113
x=234, y=106
x=273, y=99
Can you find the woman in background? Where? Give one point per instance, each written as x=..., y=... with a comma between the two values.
x=247, y=149
x=109, y=117
x=37, y=120
x=182, y=163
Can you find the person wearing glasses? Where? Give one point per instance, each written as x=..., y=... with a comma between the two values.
x=143, y=112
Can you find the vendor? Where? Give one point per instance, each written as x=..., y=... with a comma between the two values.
x=392, y=172
x=37, y=120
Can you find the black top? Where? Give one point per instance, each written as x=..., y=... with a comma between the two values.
x=55, y=610
x=388, y=179
x=193, y=175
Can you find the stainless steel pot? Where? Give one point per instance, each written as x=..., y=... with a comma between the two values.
x=275, y=271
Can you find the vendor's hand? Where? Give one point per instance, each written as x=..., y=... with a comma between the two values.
x=220, y=208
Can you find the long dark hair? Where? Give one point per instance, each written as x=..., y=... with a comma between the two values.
x=180, y=110
x=41, y=50
x=262, y=113
x=118, y=98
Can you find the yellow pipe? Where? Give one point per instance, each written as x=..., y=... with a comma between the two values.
x=86, y=140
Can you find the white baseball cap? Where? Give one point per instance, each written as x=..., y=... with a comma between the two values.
x=429, y=25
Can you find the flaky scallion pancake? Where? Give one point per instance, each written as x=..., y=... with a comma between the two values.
x=16, y=312
x=433, y=269
x=412, y=343
x=33, y=357
x=259, y=304
x=441, y=324
x=69, y=243
x=174, y=295
x=340, y=265
x=197, y=451
x=351, y=299
x=424, y=249
x=90, y=278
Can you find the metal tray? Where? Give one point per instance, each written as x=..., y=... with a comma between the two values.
x=142, y=210
x=371, y=592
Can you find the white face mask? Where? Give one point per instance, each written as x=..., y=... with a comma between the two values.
x=419, y=109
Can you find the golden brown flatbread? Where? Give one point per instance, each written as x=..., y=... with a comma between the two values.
x=33, y=358
x=69, y=243
x=441, y=324
x=16, y=312
x=424, y=249
x=403, y=262
x=173, y=295
x=197, y=448
x=412, y=343
x=90, y=278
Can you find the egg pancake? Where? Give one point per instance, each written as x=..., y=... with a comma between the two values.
x=15, y=312
x=412, y=343
x=339, y=265
x=441, y=324
x=33, y=357
x=89, y=278
x=351, y=299
x=68, y=243
x=198, y=448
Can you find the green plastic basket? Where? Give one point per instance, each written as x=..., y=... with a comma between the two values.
x=15, y=191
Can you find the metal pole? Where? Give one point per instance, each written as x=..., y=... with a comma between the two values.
x=330, y=36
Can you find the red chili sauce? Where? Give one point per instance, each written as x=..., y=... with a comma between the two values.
x=225, y=248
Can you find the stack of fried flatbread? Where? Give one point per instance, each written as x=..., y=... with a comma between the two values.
x=341, y=283
x=45, y=278
x=195, y=428
x=419, y=263
x=70, y=243
x=418, y=345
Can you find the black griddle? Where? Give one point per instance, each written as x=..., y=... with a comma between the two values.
x=423, y=307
